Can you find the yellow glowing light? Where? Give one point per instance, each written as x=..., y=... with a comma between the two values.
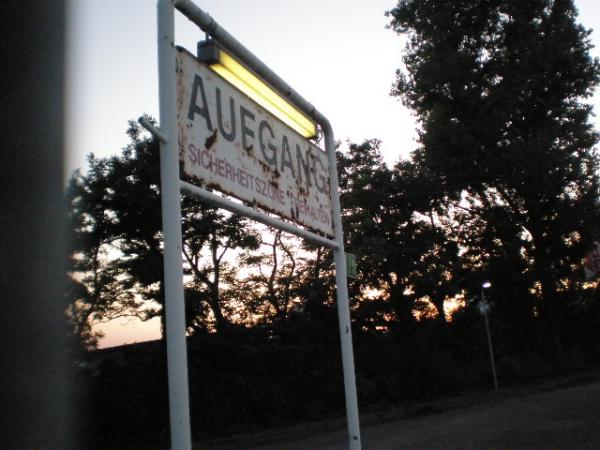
x=262, y=94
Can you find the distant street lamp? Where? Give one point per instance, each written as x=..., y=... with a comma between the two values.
x=484, y=309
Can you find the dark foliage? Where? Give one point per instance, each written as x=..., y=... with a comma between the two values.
x=499, y=90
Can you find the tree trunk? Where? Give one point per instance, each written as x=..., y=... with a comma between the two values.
x=221, y=322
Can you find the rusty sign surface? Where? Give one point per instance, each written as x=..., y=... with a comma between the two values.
x=230, y=143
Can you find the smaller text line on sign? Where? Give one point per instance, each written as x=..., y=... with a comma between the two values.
x=230, y=143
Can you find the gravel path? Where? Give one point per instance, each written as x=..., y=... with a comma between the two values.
x=561, y=419
x=556, y=418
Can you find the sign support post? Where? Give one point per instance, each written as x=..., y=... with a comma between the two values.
x=179, y=411
x=343, y=306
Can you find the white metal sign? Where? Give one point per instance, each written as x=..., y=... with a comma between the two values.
x=228, y=142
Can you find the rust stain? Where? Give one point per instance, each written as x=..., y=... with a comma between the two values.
x=265, y=167
x=210, y=140
x=193, y=179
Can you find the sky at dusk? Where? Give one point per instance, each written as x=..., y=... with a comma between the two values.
x=337, y=54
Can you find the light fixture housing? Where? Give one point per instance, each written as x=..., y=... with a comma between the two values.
x=250, y=84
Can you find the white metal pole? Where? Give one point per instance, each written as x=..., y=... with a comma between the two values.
x=487, y=329
x=342, y=298
x=489, y=339
x=179, y=412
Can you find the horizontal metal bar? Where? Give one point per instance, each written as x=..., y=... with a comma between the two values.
x=238, y=208
x=210, y=26
x=153, y=129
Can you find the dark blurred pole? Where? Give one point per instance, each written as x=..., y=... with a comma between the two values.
x=35, y=370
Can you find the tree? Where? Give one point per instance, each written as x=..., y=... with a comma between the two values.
x=116, y=215
x=97, y=288
x=208, y=235
x=405, y=261
x=498, y=88
x=272, y=283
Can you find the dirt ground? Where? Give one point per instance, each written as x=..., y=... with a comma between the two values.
x=556, y=418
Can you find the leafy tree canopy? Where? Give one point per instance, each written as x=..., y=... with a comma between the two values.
x=499, y=89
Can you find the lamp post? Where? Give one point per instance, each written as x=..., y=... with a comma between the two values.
x=484, y=309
